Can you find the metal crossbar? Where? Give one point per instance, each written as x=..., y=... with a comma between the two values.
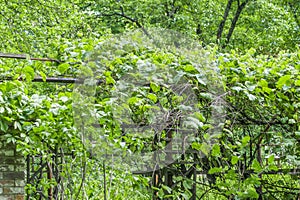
x=24, y=57
x=54, y=80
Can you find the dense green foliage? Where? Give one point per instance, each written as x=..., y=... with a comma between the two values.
x=255, y=46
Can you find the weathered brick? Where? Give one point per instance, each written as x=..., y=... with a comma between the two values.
x=7, y=168
x=17, y=190
x=13, y=175
x=9, y=152
x=19, y=168
x=6, y=197
x=11, y=168
x=5, y=183
x=2, y=152
x=7, y=160
x=7, y=190
x=20, y=183
x=19, y=197
x=4, y=168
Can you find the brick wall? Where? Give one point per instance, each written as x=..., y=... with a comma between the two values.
x=12, y=176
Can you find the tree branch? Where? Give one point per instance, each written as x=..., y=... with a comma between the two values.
x=130, y=19
x=222, y=24
x=234, y=21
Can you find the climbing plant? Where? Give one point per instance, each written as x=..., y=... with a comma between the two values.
x=256, y=151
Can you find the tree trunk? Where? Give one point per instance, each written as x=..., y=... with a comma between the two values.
x=235, y=19
x=222, y=24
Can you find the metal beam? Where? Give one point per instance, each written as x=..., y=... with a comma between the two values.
x=54, y=80
x=24, y=57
